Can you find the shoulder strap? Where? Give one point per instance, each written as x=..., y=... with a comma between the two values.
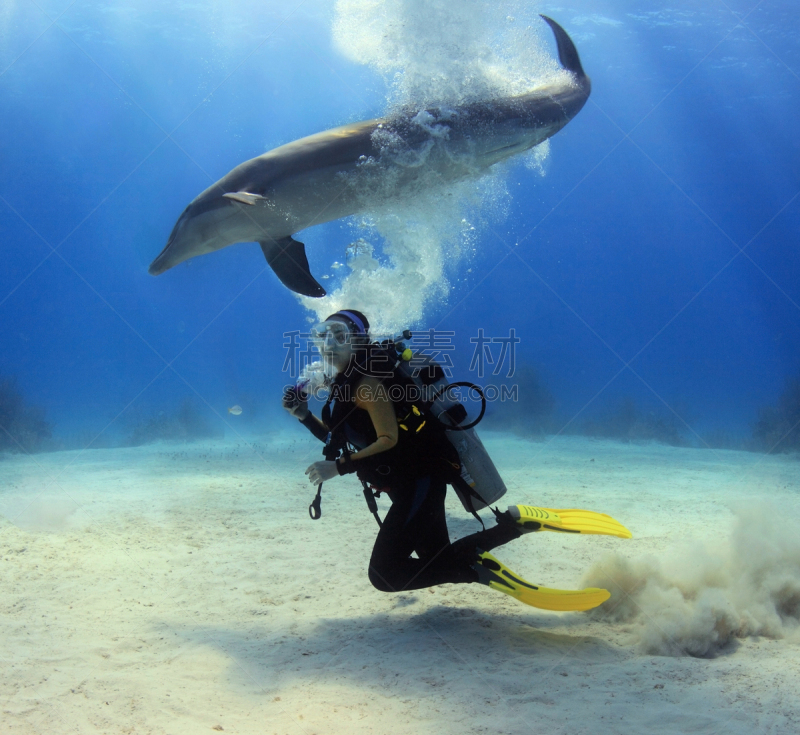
x=326, y=411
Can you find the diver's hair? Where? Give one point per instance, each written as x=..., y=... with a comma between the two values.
x=357, y=323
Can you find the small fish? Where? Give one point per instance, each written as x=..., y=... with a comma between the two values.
x=235, y=410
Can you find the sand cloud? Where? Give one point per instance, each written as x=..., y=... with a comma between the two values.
x=698, y=599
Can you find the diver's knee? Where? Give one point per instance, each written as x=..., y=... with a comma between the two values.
x=379, y=580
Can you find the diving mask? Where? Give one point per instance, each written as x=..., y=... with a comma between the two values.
x=328, y=336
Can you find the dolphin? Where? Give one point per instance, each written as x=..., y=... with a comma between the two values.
x=356, y=167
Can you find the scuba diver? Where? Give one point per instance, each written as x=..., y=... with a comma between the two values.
x=394, y=445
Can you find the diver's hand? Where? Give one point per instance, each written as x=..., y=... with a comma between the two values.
x=295, y=403
x=321, y=472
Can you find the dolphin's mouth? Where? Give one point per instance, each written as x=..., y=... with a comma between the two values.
x=160, y=263
x=158, y=266
x=187, y=240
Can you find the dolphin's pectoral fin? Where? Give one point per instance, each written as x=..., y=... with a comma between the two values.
x=243, y=197
x=287, y=257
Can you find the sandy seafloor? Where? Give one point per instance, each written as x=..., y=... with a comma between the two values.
x=184, y=589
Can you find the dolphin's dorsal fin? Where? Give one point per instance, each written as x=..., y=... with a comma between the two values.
x=243, y=197
x=287, y=257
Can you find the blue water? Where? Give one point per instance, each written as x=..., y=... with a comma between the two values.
x=657, y=258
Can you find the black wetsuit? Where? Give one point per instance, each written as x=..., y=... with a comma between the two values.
x=415, y=476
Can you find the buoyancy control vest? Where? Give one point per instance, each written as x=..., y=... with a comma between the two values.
x=422, y=448
x=433, y=435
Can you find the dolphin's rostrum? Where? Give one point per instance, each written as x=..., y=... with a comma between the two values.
x=346, y=170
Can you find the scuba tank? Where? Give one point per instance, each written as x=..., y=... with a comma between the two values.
x=482, y=484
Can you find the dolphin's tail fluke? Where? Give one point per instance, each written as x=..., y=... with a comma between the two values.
x=567, y=53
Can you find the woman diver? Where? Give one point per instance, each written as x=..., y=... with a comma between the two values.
x=414, y=470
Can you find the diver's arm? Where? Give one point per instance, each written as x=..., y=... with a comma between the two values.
x=374, y=400
x=315, y=426
x=297, y=405
x=372, y=397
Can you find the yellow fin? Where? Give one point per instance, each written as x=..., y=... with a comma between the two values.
x=498, y=576
x=571, y=520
